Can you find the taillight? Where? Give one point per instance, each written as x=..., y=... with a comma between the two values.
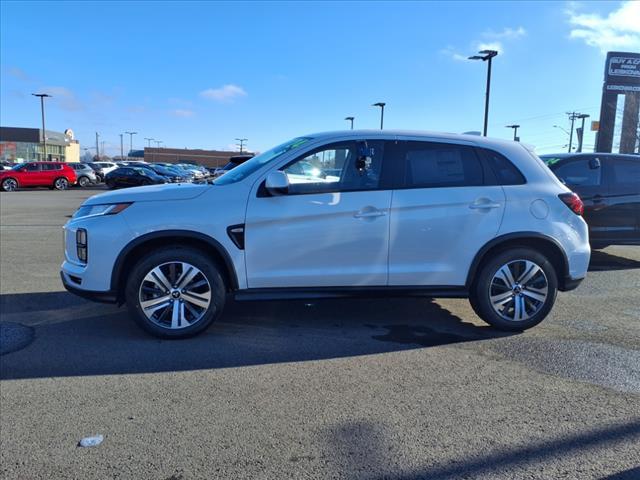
x=573, y=201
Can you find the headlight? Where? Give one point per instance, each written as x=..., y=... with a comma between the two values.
x=95, y=210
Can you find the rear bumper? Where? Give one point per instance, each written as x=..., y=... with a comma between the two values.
x=102, y=297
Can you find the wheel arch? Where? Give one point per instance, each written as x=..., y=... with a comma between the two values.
x=126, y=258
x=546, y=245
x=10, y=178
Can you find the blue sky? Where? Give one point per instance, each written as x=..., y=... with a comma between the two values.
x=200, y=74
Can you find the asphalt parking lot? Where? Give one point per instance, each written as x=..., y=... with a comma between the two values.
x=368, y=388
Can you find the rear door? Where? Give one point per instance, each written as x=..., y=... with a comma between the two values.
x=590, y=184
x=622, y=174
x=443, y=211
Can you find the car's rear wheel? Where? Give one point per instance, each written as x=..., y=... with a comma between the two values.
x=9, y=185
x=515, y=290
x=61, y=183
x=175, y=292
x=84, y=181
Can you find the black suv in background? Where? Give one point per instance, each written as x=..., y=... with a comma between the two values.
x=609, y=186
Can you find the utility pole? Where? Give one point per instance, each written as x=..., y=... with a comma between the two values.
x=486, y=56
x=350, y=119
x=515, y=132
x=121, y=147
x=44, y=131
x=97, y=146
x=241, y=144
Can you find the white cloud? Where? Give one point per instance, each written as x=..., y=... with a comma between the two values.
x=64, y=98
x=491, y=46
x=452, y=53
x=226, y=93
x=184, y=113
x=506, y=33
x=620, y=30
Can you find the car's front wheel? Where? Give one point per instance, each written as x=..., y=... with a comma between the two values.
x=515, y=290
x=9, y=185
x=84, y=181
x=175, y=292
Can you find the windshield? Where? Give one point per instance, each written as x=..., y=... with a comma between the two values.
x=18, y=166
x=247, y=168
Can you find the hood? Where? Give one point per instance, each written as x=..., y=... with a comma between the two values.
x=151, y=193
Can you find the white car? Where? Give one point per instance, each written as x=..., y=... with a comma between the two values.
x=338, y=214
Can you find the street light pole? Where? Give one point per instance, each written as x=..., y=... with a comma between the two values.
x=350, y=119
x=121, y=147
x=97, y=146
x=515, y=132
x=44, y=131
x=241, y=144
x=381, y=105
x=131, y=134
x=157, y=142
x=149, y=140
x=486, y=56
x=581, y=137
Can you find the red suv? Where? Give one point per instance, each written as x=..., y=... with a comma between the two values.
x=56, y=175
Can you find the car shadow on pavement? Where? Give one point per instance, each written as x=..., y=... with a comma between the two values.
x=73, y=337
x=603, y=261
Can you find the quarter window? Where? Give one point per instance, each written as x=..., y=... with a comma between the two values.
x=505, y=171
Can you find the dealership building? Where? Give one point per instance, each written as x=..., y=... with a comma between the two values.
x=26, y=145
x=207, y=158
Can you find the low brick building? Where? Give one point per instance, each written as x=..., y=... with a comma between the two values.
x=207, y=158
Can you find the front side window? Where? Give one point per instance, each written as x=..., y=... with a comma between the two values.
x=350, y=166
x=32, y=167
x=247, y=168
x=431, y=165
x=578, y=173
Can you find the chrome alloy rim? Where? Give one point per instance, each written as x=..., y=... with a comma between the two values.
x=9, y=185
x=61, y=184
x=175, y=295
x=518, y=290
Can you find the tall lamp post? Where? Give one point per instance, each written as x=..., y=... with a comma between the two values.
x=44, y=131
x=486, y=56
x=121, y=147
x=149, y=140
x=581, y=116
x=158, y=142
x=515, y=132
x=381, y=105
x=350, y=119
x=241, y=144
x=131, y=134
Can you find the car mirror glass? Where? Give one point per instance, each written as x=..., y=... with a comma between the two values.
x=594, y=163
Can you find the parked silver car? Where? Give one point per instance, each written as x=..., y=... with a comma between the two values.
x=86, y=175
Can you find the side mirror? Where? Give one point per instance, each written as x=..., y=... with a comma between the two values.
x=594, y=163
x=277, y=183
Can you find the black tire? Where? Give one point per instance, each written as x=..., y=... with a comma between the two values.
x=158, y=325
x=10, y=185
x=486, y=285
x=61, y=183
x=84, y=181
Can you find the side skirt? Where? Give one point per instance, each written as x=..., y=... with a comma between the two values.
x=291, y=293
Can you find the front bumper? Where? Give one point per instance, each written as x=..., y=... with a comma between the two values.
x=102, y=297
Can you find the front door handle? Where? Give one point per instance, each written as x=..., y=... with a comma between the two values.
x=484, y=203
x=369, y=213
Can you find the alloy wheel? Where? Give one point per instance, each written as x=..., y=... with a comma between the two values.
x=9, y=185
x=518, y=290
x=61, y=184
x=175, y=295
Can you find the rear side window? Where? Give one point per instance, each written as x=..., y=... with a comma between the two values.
x=50, y=166
x=626, y=172
x=506, y=172
x=32, y=167
x=578, y=173
x=431, y=165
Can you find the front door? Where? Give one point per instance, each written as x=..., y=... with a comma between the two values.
x=442, y=214
x=330, y=229
x=32, y=175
